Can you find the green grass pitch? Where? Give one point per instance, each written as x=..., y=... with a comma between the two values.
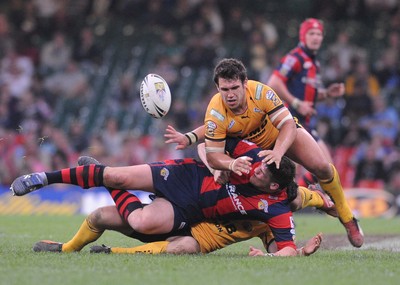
x=378, y=262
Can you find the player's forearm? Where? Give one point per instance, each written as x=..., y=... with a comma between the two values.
x=219, y=160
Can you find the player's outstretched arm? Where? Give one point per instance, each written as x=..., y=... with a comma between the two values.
x=183, y=140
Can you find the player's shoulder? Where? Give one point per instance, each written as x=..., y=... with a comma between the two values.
x=260, y=91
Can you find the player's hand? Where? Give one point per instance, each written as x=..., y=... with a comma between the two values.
x=241, y=165
x=221, y=176
x=173, y=136
x=335, y=90
x=255, y=251
x=271, y=156
x=312, y=245
x=306, y=108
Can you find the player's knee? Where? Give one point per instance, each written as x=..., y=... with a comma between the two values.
x=115, y=179
x=323, y=170
x=95, y=218
x=183, y=245
x=297, y=203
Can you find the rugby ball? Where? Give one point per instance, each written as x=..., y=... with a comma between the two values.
x=155, y=95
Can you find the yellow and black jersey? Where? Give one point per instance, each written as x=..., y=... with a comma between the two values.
x=254, y=124
x=216, y=235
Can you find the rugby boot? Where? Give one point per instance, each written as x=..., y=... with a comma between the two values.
x=28, y=183
x=354, y=232
x=100, y=249
x=86, y=160
x=47, y=246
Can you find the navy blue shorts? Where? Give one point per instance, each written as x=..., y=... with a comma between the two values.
x=179, y=181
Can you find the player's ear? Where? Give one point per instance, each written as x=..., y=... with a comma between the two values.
x=274, y=186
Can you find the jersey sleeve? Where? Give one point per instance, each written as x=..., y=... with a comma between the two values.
x=288, y=66
x=215, y=120
x=282, y=226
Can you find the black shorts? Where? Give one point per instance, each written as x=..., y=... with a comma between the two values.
x=180, y=181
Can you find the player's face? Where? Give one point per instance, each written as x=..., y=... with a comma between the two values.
x=261, y=178
x=314, y=39
x=233, y=93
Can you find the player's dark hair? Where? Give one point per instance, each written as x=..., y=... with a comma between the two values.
x=230, y=68
x=284, y=176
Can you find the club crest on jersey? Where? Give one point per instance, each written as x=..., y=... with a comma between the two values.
x=164, y=173
x=210, y=128
x=263, y=205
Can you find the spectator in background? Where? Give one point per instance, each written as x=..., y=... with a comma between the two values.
x=55, y=54
x=382, y=122
x=112, y=137
x=6, y=35
x=343, y=50
x=369, y=170
x=77, y=136
x=86, y=51
x=360, y=72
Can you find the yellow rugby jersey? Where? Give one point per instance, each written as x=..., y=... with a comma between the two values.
x=253, y=125
x=213, y=236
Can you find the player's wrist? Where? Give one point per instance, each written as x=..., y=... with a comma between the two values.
x=192, y=137
x=295, y=103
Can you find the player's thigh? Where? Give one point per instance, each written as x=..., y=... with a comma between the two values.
x=156, y=218
x=129, y=177
x=306, y=151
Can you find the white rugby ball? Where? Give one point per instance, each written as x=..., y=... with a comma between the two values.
x=155, y=95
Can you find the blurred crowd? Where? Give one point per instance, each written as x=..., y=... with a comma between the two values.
x=53, y=56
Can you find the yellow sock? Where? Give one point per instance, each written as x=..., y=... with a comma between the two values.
x=309, y=198
x=86, y=234
x=149, y=248
x=334, y=188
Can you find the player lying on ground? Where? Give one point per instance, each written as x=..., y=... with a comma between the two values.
x=204, y=237
x=193, y=196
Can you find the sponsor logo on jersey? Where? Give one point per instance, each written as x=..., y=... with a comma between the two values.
x=210, y=128
x=231, y=189
x=258, y=91
x=314, y=82
x=164, y=173
x=231, y=124
x=217, y=115
x=263, y=205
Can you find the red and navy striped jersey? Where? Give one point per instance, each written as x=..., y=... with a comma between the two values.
x=197, y=196
x=300, y=70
